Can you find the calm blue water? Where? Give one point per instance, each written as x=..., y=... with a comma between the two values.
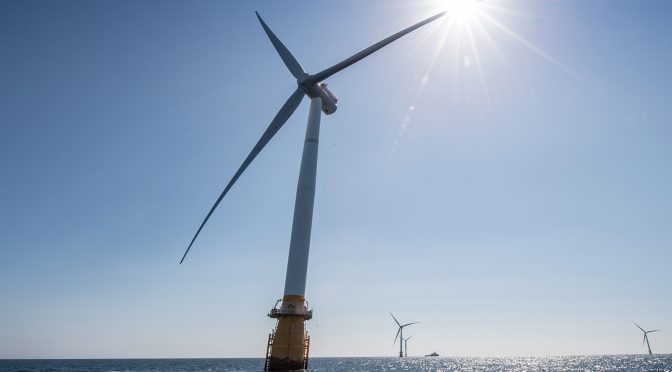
x=569, y=363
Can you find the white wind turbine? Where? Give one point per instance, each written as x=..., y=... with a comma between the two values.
x=406, y=345
x=646, y=338
x=288, y=344
x=400, y=332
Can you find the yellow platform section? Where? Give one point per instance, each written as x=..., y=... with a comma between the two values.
x=288, y=344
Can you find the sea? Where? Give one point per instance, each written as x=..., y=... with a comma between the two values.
x=659, y=362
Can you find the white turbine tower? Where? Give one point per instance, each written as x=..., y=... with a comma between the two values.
x=400, y=335
x=646, y=338
x=288, y=344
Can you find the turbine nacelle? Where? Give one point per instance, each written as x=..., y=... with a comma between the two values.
x=314, y=90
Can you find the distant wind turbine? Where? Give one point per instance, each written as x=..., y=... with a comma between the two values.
x=406, y=345
x=400, y=332
x=646, y=338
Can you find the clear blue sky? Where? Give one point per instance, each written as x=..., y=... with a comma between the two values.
x=523, y=206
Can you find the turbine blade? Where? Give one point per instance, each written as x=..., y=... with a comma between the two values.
x=410, y=324
x=395, y=337
x=655, y=330
x=278, y=121
x=644, y=340
x=638, y=326
x=409, y=337
x=287, y=57
x=395, y=319
x=322, y=75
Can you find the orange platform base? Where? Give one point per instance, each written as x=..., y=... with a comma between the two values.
x=289, y=343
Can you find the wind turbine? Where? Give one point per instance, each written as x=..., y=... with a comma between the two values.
x=646, y=338
x=406, y=345
x=400, y=332
x=288, y=345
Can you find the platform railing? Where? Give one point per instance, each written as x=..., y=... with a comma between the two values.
x=303, y=312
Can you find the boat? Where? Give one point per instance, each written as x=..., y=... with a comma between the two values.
x=432, y=354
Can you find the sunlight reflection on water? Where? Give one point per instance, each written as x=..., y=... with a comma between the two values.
x=661, y=362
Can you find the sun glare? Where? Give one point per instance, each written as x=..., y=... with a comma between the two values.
x=461, y=9
x=468, y=28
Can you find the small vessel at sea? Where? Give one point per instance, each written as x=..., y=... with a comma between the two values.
x=432, y=354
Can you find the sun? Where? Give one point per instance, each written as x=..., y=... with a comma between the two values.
x=461, y=9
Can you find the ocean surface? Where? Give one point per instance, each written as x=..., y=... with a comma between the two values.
x=661, y=362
